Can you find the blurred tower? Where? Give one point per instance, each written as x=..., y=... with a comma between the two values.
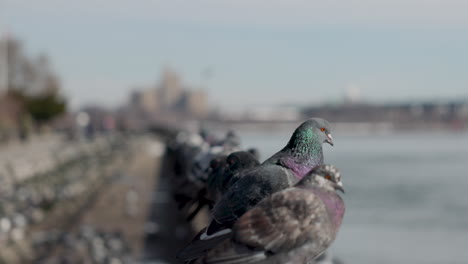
x=170, y=98
x=145, y=100
x=353, y=94
x=170, y=90
x=194, y=103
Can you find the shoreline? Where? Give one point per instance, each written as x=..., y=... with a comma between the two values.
x=357, y=128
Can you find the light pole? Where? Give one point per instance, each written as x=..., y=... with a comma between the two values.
x=4, y=63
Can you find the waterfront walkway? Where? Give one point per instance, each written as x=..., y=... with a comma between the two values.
x=124, y=214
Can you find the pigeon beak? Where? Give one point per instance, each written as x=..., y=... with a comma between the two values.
x=329, y=139
x=339, y=187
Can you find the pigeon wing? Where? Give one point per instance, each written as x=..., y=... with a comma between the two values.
x=198, y=247
x=283, y=221
x=250, y=190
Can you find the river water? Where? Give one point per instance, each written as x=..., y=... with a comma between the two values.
x=406, y=194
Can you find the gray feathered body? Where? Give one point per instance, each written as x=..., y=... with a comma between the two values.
x=226, y=172
x=292, y=226
x=250, y=189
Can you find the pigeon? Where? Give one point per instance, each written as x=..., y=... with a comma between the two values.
x=295, y=225
x=192, y=166
x=218, y=167
x=231, y=140
x=254, y=152
x=302, y=153
x=304, y=150
x=223, y=169
x=235, y=164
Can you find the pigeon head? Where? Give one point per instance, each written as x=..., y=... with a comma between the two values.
x=255, y=153
x=217, y=165
x=217, y=162
x=325, y=176
x=241, y=159
x=319, y=127
x=231, y=134
x=313, y=131
x=310, y=136
x=232, y=139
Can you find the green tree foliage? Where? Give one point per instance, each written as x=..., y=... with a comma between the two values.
x=32, y=83
x=43, y=108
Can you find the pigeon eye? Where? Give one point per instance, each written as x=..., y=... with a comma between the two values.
x=328, y=177
x=322, y=129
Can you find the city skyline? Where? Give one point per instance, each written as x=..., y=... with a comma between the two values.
x=300, y=52
x=171, y=95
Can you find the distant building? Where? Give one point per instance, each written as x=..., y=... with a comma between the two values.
x=193, y=102
x=463, y=111
x=170, y=90
x=352, y=95
x=170, y=97
x=443, y=113
x=145, y=100
x=277, y=113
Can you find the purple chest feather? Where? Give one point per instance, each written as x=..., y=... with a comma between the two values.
x=299, y=170
x=334, y=204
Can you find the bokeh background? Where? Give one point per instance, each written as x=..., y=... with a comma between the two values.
x=90, y=92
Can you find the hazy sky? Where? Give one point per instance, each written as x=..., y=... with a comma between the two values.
x=259, y=52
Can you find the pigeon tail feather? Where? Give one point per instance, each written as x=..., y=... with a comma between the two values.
x=198, y=246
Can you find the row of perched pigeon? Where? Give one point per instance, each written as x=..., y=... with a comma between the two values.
x=284, y=210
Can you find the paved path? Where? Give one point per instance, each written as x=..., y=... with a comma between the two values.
x=135, y=203
x=124, y=205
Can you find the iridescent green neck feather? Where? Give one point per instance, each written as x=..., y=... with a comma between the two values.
x=305, y=147
x=302, y=153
